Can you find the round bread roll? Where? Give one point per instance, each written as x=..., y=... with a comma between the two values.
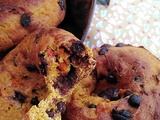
x=37, y=77
x=19, y=18
x=125, y=85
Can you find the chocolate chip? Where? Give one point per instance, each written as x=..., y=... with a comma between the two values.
x=104, y=49
x=92, y=106
x=31, y=68
x=19, y=96
x=111, y=79
x=50, y=113
x=119, y=117
x=110, y=93
x=62, y=4
x=127, y=93
x=125, y=113
x=137, y=78
x=34, y=91
x=25, y=20
x=119, y=45
x=77, y=47
x=34, y=101
x=134, y=100
x=61, y=107
x=105, y=45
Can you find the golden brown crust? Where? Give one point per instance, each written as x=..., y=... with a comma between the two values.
x=19, y=18
x=37, y=78
x=123, y=73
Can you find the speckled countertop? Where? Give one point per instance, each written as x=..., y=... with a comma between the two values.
x=135, y=22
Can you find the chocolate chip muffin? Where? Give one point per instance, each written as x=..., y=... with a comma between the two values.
x=19, y=18
x=126, y=84
x=38, y=76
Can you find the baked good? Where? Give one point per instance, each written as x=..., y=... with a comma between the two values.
x=19, y=18
x=39, y=74
x=127, y=86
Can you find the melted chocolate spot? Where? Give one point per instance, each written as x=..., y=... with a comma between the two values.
x=25, y=20
x=64, y=83
x=42, y=68
x=25, y=77
x=61, y=107
x=77, y=47
x=43, y=65
x=62, y=4
x=19, y=96
x=34, y=101
x=110, y=93
x=31, y=68
x=134, y=100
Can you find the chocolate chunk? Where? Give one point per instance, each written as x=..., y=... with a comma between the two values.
x=25, y=20
x=34, y=101
x=92, y=106
x=134, y=100
x=110, y=93
x=19, y=96
x=62, y=4
x=50, y=113
x=111, y=79
x=31, y=68
x=137, y=78
x=77, y=47
x=61, y=107
x=119, y=45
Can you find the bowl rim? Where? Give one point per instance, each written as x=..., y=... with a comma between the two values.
x=90, y=17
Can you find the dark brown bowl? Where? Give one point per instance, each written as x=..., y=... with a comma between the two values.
x=78, y=17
